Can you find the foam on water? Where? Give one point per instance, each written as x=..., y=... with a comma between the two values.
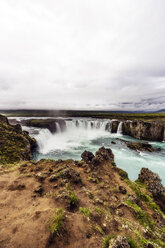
x=85, y=134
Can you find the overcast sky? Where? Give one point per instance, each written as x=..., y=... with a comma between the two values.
x=82, y=54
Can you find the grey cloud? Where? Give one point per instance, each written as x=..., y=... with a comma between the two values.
x=82, y=54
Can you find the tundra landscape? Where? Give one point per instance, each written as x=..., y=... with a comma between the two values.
x=82, y=124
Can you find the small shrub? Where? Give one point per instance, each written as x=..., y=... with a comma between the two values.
x=71, y=196
x=132, y=242
x=106, y=241
x=56, y=223
x=99, y=210
x=85, y=212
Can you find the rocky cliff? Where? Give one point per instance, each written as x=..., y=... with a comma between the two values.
x=15, y=144
x=153, y=131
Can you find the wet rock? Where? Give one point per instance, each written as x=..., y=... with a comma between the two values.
x=87, y=156
x=114, y=126
x=139, y=146
x=119, y=242
x=152, y=180
x=112, y=142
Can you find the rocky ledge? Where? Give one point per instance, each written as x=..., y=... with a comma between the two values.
x=15, y=144
x=51, y=124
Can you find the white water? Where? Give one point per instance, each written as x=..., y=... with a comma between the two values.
x=90, y=134
x=120, y=128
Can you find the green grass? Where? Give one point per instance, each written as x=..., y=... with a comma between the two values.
x=136, y=187
x=85, y=212
x=56, y=223
x=71, y=196
x=106, y=241
x=99, y=210
x=141, y=215
x=132, y=242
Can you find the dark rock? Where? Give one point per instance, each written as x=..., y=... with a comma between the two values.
x=122, y=190
x=4, y=120
x=87, y=156
x=144, y=130
x=112, y=142
x=119, y=242
x=152, y=180
x=15, y=144
x=16, y=186
x=149, y=245
x=39, y=190
x=115, y=125
x=139, y=146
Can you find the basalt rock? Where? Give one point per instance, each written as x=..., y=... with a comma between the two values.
x=15, y=144
x=115, y=125
x=87, y=156
x=101, y=155
x=152, y=180
x=139, y=146
x=144, y=130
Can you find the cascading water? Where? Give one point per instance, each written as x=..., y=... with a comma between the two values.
x=120, y=128
x=58, y=127
x=90, y=134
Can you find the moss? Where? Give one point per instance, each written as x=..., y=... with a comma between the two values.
x=106, y=241
x=99, y=229
x=123, y=173
x=136, y=187
x=56, y=223
x=85, y=212
x=99, y=210
x=132, y=242
x=15, y=145
x=141, y=215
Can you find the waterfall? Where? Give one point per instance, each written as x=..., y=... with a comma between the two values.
x=120, y=128
x=58, y=127
x=43, y=137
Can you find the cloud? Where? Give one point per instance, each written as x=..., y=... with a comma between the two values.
x=82, y=54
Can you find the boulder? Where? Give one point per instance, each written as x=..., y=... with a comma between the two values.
x=152, y=180
x=87, y=156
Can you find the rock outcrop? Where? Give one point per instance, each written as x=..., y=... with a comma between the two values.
x=15, y=144
x=101, y=155
x=153, y=131
x=50, y=124
x=152, y=180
